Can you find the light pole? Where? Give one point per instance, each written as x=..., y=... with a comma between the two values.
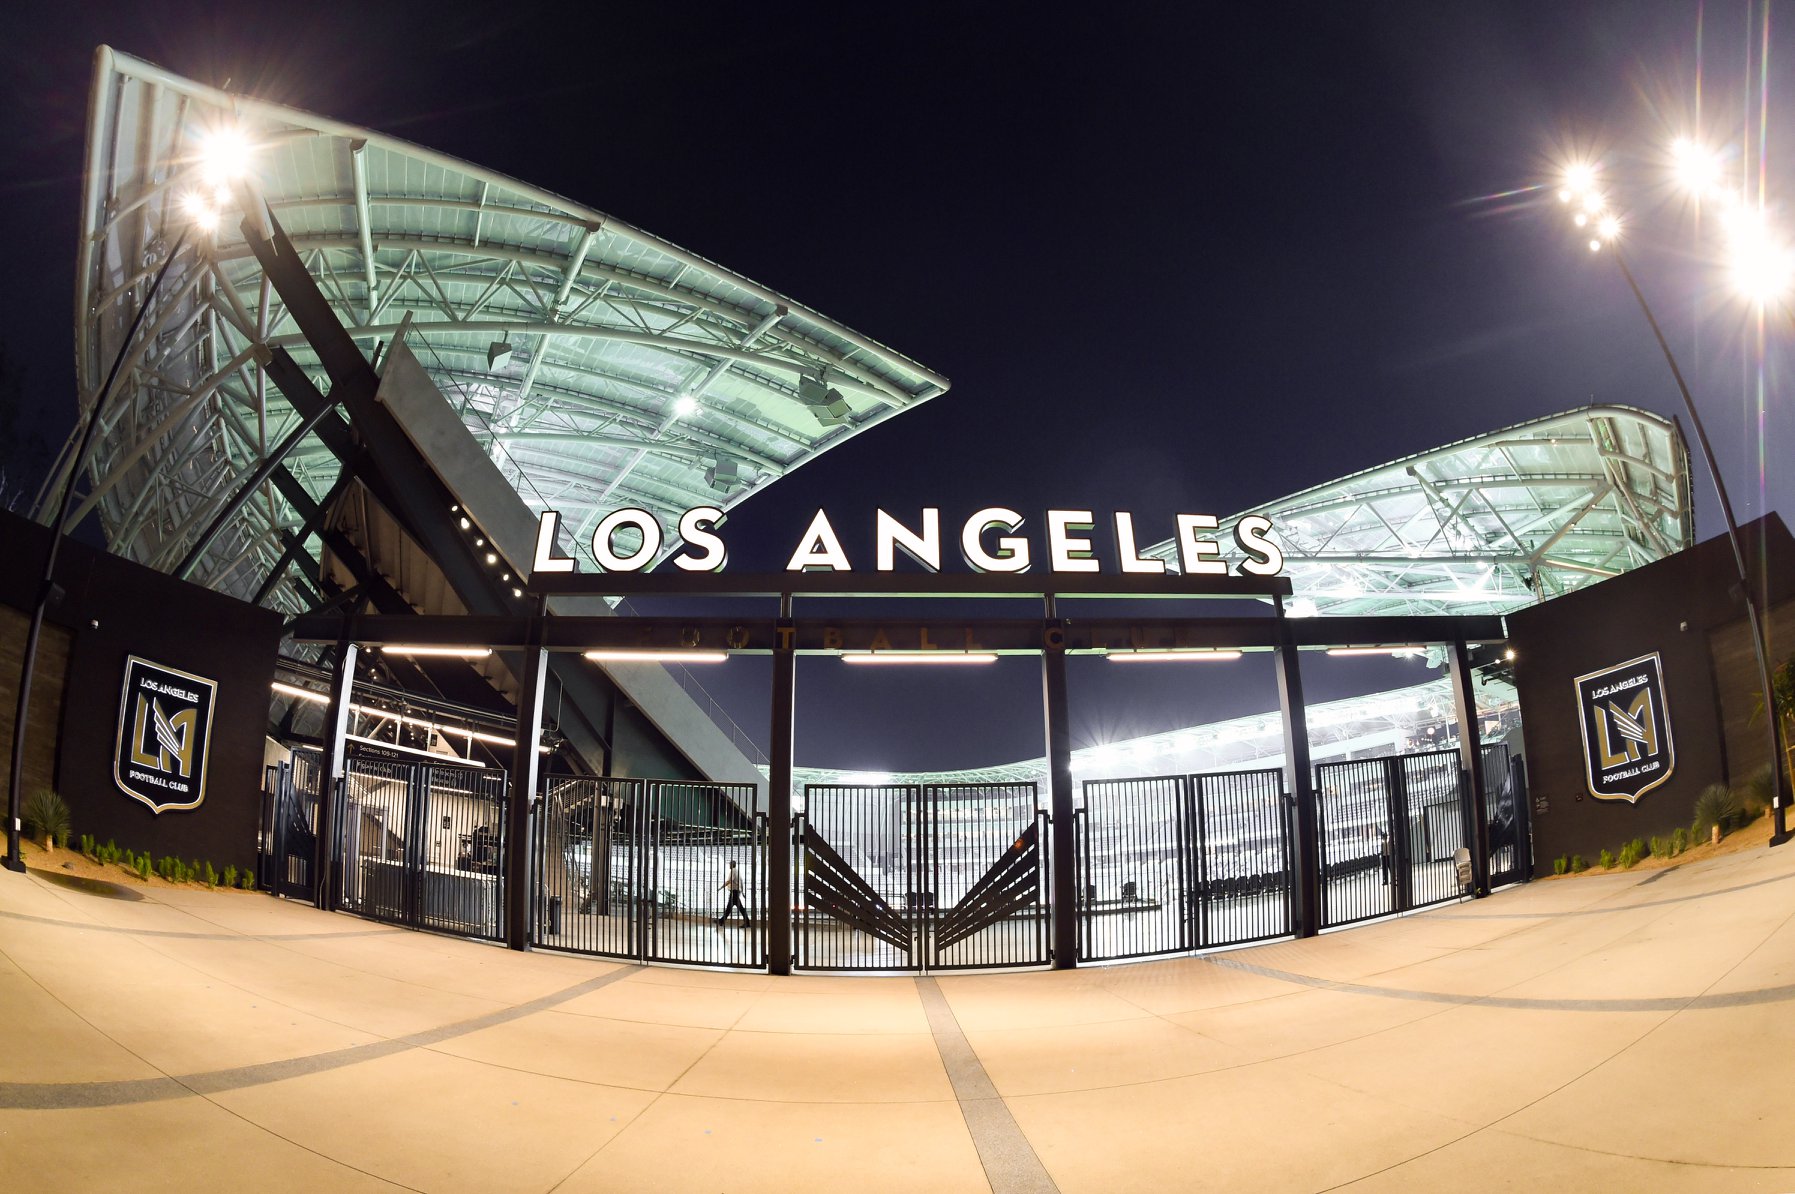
x=1591, y=213
x=224, y=157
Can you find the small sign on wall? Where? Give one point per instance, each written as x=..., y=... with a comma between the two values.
x=164, y=727
x=1627, y=744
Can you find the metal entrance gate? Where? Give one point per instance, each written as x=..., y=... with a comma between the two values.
x=1390, y=828
x=920, y=877
x=289, y=826
x=638, y=869
x=423, y=844
x=1184, y=862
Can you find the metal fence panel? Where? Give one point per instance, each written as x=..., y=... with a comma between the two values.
x=856, y=889
x=1360, y=869
x=985, y=859
x=1137, y=875
x=1243, y=879
x=460, y=867
x=1436, y=817
x=694, y=832
x=1505, y=798
x=380, y=839
x=589, y=861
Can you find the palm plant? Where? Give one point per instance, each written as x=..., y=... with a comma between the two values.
x=48, y=817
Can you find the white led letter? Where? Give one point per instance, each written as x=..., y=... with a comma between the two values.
x=1264, y=558
x=1197, y=557
x=1067, y=552
x=819, y=549
x=547, y=527
x=925, y=548
x=1127, y=555
x=694, y=528
x=1012, y=550
x=630, y=516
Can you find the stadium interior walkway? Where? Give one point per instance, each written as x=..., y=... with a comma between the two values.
x=1624, y=1032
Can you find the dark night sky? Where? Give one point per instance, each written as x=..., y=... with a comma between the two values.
x=1172, y=258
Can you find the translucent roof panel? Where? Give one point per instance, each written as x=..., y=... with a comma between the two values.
x=599, y=365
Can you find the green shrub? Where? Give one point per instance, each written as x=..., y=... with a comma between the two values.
x=211, y=876
x=87, y=845
x=1755, y=793
x=1717, y=805
x=1660, y=846
x=109, y=852
x=1631, y=853
x=1560, y=865
x=247, y=880
x=1605, y=860
x=1578, y=866
x=143, y=867
x=230, y=876
x=47, y=817
x=1679, y=841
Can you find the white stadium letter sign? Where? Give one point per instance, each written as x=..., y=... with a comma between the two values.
x=925, y=548
x=1012, y=550
x=1127, y=555
x=1264, y=558
x=547, y=527
x=819, y=549
x=1067, y=552
x=616, y=520
x=1197, y=557
x=695, y=528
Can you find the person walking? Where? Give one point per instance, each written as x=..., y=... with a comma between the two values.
x=733, y=882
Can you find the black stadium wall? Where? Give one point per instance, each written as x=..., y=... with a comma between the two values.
x=1688, y=611
x=110, y=611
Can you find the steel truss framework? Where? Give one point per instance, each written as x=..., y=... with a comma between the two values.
x=598, y=365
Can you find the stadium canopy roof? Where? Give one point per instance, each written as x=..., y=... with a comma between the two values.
x=1489, y=524
x=598, y=365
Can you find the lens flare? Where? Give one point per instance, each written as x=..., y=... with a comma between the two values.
x=224, y=155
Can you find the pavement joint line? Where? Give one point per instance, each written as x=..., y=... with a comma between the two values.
x=1650, y=1003
x=45, y=1096
x=1010, y=1161
x=195, y=934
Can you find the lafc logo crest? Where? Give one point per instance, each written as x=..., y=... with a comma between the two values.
x=164, y=727
x=1627, y=745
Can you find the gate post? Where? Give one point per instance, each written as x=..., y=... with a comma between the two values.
x=779, y=793
x=1402, y=853
x=336, y=729
x=1470, y=761
x=1299, y=775
x=525, y=761
x=1059, y=791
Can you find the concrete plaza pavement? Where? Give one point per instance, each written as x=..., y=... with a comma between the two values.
x=1630, y=1031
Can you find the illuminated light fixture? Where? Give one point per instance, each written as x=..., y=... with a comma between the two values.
x=827, y=404
x=1509, y=654
x=1696, y=169
x=224, y=155
x=465, y=524
x=684, y=405
x=1174, y=656
x=931, y=657
x=498, y=354
x=458, y=652
x=1564, y=196
x=479, y=542
x=1609, y=227
x=201, y=212
x=1595, y=246
x=304, y=694
x=1580, y=219
x=1579, y=177
x=651, y=656
x=1347, y=651
x=517, y=592
x=492, y=557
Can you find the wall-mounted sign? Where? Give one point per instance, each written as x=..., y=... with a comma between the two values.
x=164, y=724
x=989, y=541
x=1627, y=746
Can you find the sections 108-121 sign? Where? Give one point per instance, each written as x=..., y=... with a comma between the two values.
x=1070, y=543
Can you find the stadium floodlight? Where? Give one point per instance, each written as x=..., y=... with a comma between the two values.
x=1695, y=167
x=498, y=354
x=224, y=156
x=684, y=406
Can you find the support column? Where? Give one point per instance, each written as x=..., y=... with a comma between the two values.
x=325, y=880
x=1059, y=790
x=779, y=793
x=520, y=882
x=1299, y=780
x=1470, y=761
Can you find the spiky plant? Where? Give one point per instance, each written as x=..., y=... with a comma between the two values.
x=1716, y=811
x=48, y=817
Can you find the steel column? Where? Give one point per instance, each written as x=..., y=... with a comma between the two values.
x=336, y=728
x=1470, y=761
x=1064, y=869
x=519, y=883
x=779, y=794
x=1299, y=778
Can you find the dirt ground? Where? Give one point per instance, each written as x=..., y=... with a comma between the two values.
x=73, y=862
x=1748, y=837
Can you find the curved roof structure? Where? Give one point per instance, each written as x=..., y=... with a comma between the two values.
x=1489, y=524
x=597, y=365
